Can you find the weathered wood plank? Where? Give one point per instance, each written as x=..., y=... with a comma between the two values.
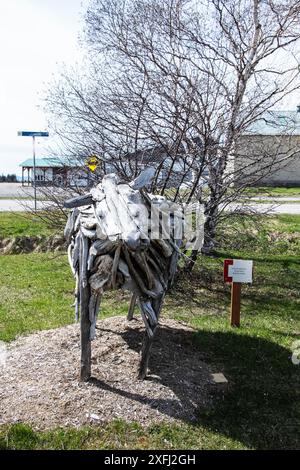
x=148, y=312
x=144, y=179
x=115, y=266
x=136, y=277
x=70, y=225
x=84, y=257
x=85, y=324
x=131, y=307
x=79, y=201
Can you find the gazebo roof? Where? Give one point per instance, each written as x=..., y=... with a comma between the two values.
x=50, y=162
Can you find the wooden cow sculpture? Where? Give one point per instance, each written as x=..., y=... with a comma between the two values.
x=116, y=240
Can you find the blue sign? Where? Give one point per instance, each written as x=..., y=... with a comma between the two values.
x=33, y=134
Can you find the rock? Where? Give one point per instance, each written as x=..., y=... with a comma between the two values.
x=219, y=378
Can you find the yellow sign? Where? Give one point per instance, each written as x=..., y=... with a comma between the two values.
x=93, y=162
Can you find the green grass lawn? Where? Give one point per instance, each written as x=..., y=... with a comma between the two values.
x=260, y=408
x=14, y=224
x=269, y=191
x=273, y=192
x=36, y=293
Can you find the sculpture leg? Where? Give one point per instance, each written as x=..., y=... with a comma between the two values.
x=85, y=324
x=148, y=339
x=145, y=354
x=131, y=307
x=94, y=306
x=85, y=340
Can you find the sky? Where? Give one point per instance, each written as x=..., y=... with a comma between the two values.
x=36, y=38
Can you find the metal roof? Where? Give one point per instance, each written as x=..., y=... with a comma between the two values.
x=276, y=123
x=50, y=162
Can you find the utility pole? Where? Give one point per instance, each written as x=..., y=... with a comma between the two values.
x=34, y=172
x=33, y=134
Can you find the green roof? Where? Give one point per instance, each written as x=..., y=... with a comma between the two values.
x=50, y=162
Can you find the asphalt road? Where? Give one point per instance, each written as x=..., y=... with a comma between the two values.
x=12, y=190
x=282, y=205
x=267, y=208
x=13, y=205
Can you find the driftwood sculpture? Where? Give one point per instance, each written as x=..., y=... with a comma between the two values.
x=116, y=240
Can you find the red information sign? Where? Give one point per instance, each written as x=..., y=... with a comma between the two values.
x=227, y=263
x=238, y=270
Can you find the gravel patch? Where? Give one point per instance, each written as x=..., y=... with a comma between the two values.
x=39, y=381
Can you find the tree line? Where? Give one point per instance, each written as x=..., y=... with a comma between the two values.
x=9, y=178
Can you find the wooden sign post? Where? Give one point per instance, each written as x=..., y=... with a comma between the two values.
x=237, y=271
x=235, y=312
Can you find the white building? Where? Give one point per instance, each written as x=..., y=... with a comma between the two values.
x=54, y=171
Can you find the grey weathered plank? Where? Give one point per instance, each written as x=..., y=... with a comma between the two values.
x=79, y=201
x=85, y=324
x=144, y=179
x=115, y=266
x=84, y=246
x=70, y=225
x=131, y=306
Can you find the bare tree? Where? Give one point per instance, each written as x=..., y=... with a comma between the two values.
x=179, y=83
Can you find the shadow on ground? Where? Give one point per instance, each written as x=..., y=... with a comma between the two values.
x=260, y=405
x=177, y=367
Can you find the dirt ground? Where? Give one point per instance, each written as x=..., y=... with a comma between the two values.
x=39, y=382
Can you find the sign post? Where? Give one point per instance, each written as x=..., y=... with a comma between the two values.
x=237, y=271
x=235, y=313
x=33, y=134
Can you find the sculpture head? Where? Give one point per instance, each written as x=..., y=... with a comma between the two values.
x=120, y=210
x=121, y=213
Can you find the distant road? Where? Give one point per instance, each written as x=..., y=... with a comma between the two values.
x=17, y=198
x=13, y=205
x=12, y=190
x=276, y=199
x=266, y=208
x=16, y=190
x=282, y=205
